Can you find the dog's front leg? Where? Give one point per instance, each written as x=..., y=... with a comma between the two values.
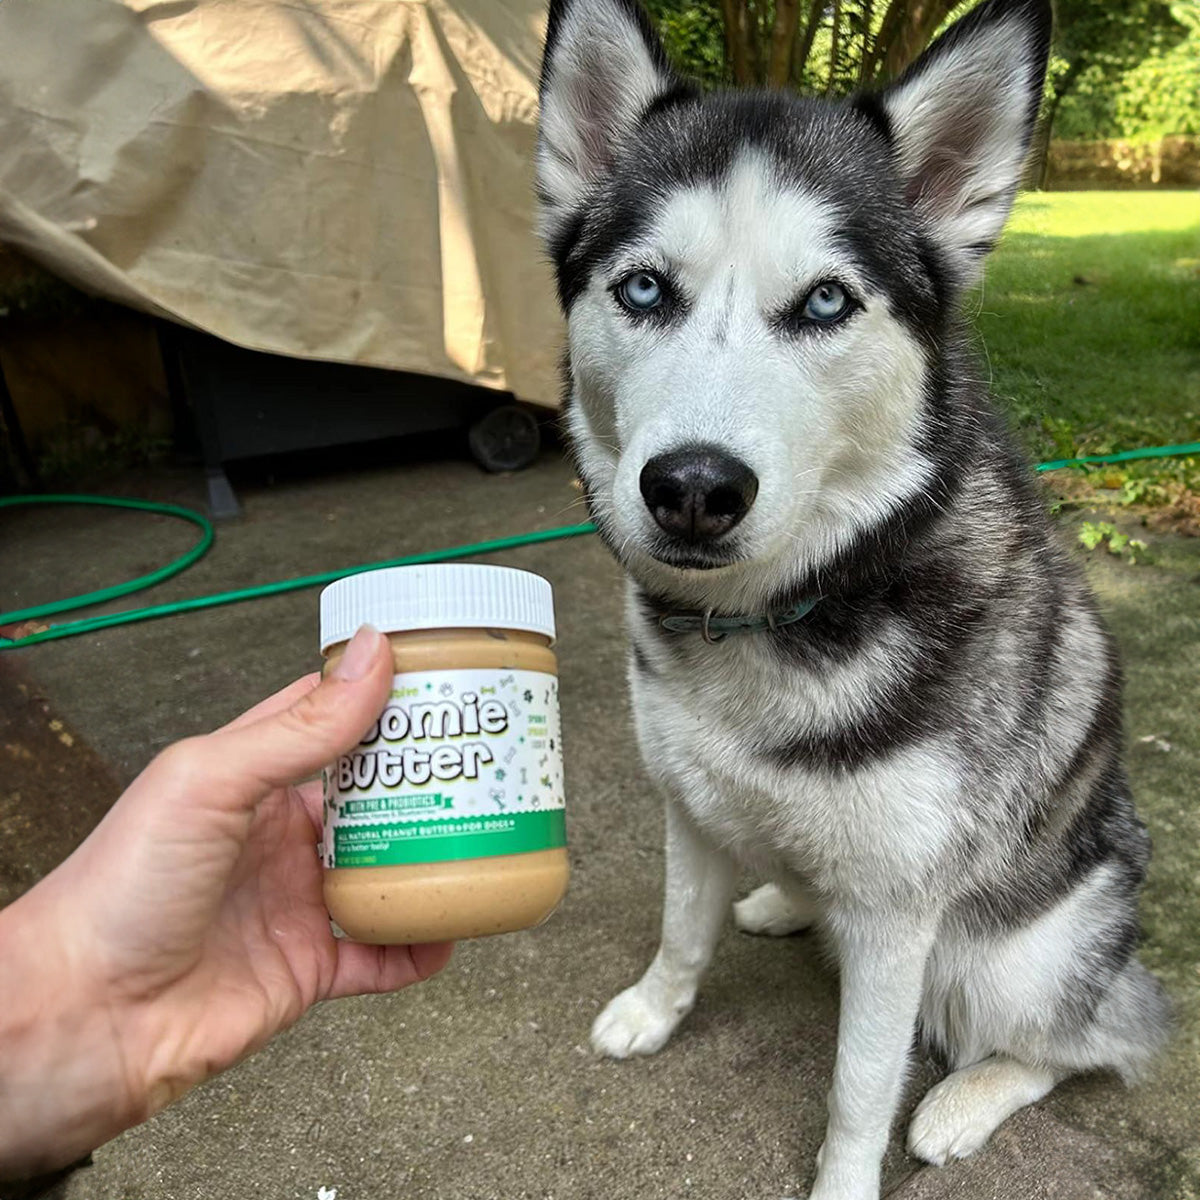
x=882, y=958
x=699, y=886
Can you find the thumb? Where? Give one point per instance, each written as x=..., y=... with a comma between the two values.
x=298, y=741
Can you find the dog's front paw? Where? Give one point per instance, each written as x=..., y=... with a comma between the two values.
x=635, y=1023
x=947, y=1125
x=959, y=1114
x=937, y=1136
x=771, y=911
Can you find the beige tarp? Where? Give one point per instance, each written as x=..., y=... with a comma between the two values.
x=335, y=179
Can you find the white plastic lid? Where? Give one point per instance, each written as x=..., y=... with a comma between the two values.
x=437, y=596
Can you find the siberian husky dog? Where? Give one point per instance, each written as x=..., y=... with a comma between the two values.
x=861, y=664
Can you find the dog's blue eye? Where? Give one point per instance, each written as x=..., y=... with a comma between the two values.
x=826, y=302
x=641, y=291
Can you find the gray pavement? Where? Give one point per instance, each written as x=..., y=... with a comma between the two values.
x=479, y=1084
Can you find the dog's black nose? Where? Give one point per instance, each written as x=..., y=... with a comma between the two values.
x=698, y=492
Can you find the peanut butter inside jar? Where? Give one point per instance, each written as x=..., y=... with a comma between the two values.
x=447, y=820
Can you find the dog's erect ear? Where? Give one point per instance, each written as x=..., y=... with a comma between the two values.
x=603, y=67
x=960, y=120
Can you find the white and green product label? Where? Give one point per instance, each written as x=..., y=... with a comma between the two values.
x=462, y=764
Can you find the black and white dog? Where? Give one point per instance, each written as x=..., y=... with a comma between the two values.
x=861, y=664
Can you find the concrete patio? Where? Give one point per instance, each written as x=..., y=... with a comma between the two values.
x=480, y=1084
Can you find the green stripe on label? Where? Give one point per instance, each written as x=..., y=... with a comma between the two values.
x=393, y=806
x=447, y=839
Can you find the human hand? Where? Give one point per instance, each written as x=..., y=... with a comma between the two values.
x=189, y=928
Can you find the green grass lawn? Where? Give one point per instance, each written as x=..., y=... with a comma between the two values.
x=1090, y=319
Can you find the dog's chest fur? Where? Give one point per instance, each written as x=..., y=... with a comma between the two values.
x=710, y=719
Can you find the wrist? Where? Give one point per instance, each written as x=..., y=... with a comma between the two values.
x=64, y=1086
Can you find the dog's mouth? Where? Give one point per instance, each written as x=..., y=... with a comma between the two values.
x=684, y=557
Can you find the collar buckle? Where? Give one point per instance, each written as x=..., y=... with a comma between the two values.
x=714, y=629
x=705, y=628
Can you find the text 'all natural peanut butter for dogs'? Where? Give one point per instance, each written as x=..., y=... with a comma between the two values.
x=447, y=820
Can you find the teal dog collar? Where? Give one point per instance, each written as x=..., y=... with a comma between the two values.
x=713, y=629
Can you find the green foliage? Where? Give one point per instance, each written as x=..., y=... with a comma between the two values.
x=694, y=37
x=884, y=33
x=1139, y=491
x=1120, y=68
x=1161, y=95
x=1106, y=534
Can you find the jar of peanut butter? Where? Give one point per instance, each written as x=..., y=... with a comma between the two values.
x=447, y=820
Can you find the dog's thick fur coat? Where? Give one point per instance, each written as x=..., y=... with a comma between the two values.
x=929, y=765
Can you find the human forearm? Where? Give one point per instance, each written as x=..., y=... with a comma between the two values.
x=189, y=927
x=64, y=1084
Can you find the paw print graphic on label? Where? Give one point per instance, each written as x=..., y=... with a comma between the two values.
x=501, y=773
x=447, y=689
x=528, y=696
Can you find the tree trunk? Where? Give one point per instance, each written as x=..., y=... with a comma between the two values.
x=912, y=36
x=1037, y=171
x=868, y=11
x=804, y=39
x=783, y=40
x=887, y=31
x=833, y=46
x=737, y=46
x=754, y=38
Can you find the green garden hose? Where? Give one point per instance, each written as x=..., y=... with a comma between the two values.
x=107, y=621
x=1180, y=451
x=90, y=624
x=121, y=589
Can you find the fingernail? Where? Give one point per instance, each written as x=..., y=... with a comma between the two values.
x=359, y=655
